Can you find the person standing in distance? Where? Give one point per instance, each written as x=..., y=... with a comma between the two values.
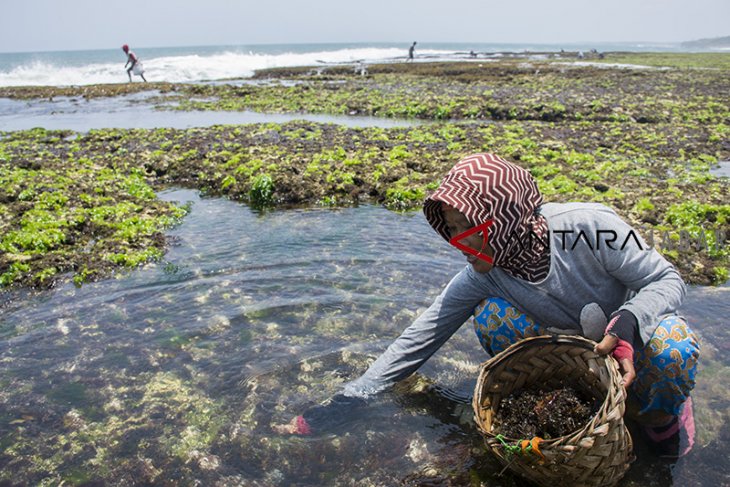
x=135, y=66
x=411, y=51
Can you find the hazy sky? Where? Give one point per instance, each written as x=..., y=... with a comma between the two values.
x=37, y=25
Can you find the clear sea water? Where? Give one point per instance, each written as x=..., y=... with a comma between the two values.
x=187, y=64
x=181, y=367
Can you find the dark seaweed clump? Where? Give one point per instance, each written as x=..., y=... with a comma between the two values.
x=545, y=413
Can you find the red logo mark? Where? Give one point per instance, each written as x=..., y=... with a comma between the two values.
x=479, y=228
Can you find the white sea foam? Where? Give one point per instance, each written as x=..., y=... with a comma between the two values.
x=188, y=68
x=192, y=64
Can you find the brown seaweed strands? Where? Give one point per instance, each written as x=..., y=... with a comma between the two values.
x=545, y=413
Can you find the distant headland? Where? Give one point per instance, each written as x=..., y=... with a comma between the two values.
x=711, y=43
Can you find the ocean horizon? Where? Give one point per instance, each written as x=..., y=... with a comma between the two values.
x=219, y=62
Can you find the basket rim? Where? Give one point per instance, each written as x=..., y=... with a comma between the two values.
x=582, y=342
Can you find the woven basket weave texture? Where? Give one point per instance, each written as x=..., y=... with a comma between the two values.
x=599, y=454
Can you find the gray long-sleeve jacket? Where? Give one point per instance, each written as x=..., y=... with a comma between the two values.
x=598, y=264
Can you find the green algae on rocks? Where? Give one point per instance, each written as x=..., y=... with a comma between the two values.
x=640, y=140
x=65, y=212
x=87, y=204
x=510, y=89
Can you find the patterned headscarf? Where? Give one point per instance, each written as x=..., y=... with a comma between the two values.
x=485, y=186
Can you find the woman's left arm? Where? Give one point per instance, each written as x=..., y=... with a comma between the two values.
x=658, y=288
x=658, y=285
x=425, y=336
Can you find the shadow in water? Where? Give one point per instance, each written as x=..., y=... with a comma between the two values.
x=174, y=373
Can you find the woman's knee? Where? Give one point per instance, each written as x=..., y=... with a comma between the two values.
x=498, y=324
x=673, y=346
x=666, y=367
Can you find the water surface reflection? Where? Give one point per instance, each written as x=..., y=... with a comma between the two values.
x=134, y=111
x=174, y=372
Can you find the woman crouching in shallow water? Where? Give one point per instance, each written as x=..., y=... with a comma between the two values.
x=525, y=278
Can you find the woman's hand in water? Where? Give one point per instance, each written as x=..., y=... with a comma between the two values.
x=297, y=426
x=338, y=410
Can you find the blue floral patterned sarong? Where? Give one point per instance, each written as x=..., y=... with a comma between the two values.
x=665, y=367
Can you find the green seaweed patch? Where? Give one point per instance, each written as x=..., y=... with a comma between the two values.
x=85, y=92
x=261, y=193
x=55, y=224
x=499, y=90
x=200, y=417
x=73, y=394
x=160, y=423
x=404, y=194
x=705, y=60
x=71, y=213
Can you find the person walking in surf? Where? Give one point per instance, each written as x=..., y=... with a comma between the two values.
x=135, y=66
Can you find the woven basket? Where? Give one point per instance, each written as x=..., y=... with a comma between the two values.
x=597, y=454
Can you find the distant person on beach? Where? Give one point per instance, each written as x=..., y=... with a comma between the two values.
x=411, y=51
x=135, y=66
x=519, y=282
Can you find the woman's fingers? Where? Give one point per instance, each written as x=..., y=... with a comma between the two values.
x=625, y=359
x=606, y=345
x=629, y=373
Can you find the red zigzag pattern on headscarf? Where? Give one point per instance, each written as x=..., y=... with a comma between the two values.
x=485, y=186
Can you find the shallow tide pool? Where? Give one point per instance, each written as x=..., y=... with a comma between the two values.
x=134, y=112
x=175, y=372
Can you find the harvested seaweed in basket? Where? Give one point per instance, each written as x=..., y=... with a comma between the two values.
x=545, y=413
x=529, y=386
